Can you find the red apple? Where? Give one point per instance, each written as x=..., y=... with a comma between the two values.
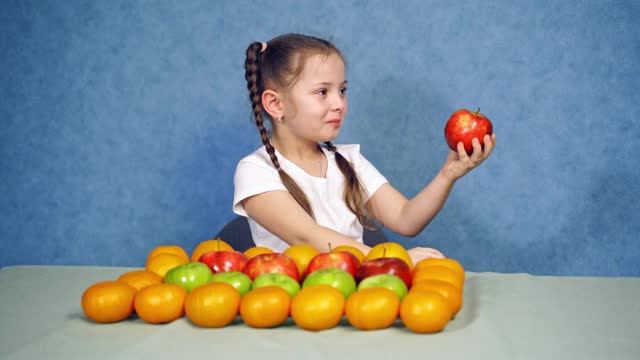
x=385, y=265
x=275, y=263
x=465, y=125
x=224, y=261
x=339, y=260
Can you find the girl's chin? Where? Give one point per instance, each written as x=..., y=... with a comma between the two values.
x=331, y=137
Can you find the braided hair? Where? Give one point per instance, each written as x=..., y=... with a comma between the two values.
x=279, y=66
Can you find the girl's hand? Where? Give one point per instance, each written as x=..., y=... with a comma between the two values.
x=420, y=253
x=459, y=163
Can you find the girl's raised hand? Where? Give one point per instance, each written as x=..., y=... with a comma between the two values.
x=460, y=163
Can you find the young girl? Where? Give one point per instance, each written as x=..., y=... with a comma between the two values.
x=296, y=191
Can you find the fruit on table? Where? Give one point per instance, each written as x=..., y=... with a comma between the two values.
x=354, y=250
x=189, y=276
x=373, y=308
x=161, y=303
x=240, y=281
x=256, y=250
x=318, y=307
x=389, y=249
x=446, y=262
x=163, y=262
x=108, y=301
x=463, y=126
x=388, y=281
x=209, y=245
x=212, y=305
x=224, y=261
x=301, y=254
x=270, y=264
x=281, y=280
x=385, y=265
x=339, y=260
x=424, y=311
x=140, y=279
x=169, y=249
x=439, y=273
x=447, y=290
x=334, y=277
x=265, y=307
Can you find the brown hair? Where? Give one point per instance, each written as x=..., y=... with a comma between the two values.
x=279, y=66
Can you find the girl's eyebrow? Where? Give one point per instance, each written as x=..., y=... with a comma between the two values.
x=326, y=83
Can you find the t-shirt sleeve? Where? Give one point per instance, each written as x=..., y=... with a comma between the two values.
x=253, y=178
x=370, y=177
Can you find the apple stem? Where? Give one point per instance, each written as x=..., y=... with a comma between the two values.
x=329, y=246
x=478, y=111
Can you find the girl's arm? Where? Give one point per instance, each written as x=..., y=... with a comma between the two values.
x=410, y=217
x=278, y=212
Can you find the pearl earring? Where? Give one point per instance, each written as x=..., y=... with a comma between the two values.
x=280, y=120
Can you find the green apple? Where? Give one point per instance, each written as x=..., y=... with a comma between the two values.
x=335, y=277
x=282, y=280
x=189, y=276
x=389, y=281
x=238, y=280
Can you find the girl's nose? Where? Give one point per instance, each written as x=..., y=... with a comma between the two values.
x=339, y=102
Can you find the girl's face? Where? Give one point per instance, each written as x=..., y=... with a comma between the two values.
x=317, y=103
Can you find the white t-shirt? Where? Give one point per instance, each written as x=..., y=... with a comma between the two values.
x=255, y=174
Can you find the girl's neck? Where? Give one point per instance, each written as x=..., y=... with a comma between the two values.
x=295, y=151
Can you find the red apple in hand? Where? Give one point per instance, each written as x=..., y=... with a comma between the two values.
x=465, y=125
x=385, y=265
x=334, y=260
x=275, y=263
x=224, y=261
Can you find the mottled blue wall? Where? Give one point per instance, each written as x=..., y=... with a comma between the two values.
x=122, y=122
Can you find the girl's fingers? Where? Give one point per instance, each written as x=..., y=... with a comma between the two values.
x=436, y=254
x=477, y=150
x=425, y=253
x=462, y=153
x=489, y=144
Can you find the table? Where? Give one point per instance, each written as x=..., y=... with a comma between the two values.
x=505, y=316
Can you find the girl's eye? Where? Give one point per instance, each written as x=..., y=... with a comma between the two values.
x=322, y=92
x=343, y=91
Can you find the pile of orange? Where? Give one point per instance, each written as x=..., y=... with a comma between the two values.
x=434, y=298
x=143, y=291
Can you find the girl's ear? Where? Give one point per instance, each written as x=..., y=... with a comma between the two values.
x=272, y=104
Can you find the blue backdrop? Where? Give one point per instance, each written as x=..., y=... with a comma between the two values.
x=122, y=123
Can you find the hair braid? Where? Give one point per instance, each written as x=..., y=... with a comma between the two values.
x=256, y=87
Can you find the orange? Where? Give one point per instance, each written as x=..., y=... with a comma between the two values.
x=389, y=249
x=424, y=311
x=140, y=279
x=372, y=308
x=449, y=263
x=439, y=273
x=317, y=307
x=212, y=305
x=209, y=245
x=301, y=255
x=257, y=250
x=448, y=290
x=160, y=303
x=108, y=301
x=354, y=250
x=169, y=249
x=163, y=262
x=265, y=307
